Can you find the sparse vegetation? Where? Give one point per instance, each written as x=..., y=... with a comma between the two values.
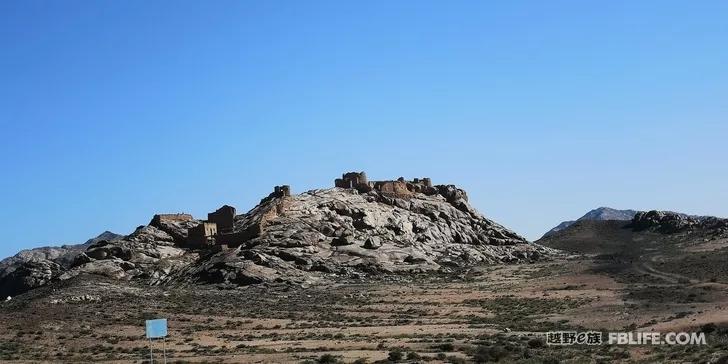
x=426, y=318
x=395, y=355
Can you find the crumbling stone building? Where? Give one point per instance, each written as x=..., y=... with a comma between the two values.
x=357, y=180
x=224, y=217
x=219, y=230
x=202, y=235
x=399, y=188
x=160, y=219
x=282, y=191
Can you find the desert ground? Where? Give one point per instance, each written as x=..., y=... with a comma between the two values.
x=490, y=313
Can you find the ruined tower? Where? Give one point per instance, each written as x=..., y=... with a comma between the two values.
x=400, y=187
x=223, y=217
x=356, y=180
x=282, y=191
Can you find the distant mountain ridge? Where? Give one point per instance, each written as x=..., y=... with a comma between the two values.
x=598, y=214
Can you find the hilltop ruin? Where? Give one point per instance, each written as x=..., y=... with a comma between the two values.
x=359, y=228
x=223, y=228
x=399, y=188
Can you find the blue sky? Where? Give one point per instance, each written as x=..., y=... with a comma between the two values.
x=113, y=111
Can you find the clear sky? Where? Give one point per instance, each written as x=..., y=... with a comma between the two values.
x=111, y=111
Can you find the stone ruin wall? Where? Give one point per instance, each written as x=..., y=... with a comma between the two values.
x=202, y=234
x=399, y=188
x=219, y=229
x=282, y=191
x=159, y=219
x=224, y=217
x=352, y=180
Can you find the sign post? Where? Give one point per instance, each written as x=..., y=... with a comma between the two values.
x=157, y=329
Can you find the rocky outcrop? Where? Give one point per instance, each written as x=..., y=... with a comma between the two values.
x=35, y=267
x=668, y=222
x=148, y=253
x=28, y=275
x=176, y=225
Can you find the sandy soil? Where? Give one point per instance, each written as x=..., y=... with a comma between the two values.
x=437, y=318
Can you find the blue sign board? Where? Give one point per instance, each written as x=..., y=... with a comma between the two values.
x=156, y=328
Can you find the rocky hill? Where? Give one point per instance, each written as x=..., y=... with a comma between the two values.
x=357, y=230
x=598, y=214
x=665, y=245
x=664, y=229
x=673, y=222
x=54, y=252
x=37, y=264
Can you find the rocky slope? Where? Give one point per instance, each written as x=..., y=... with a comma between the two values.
x=598, y=214
x=614, y=236
x=319, y=234
x=342, y=232
x=54, y=252
x=655, y=246
x=37, y=266
x=669, y=222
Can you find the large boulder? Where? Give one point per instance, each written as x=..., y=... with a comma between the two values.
x=28, y=275
x=35, y=267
